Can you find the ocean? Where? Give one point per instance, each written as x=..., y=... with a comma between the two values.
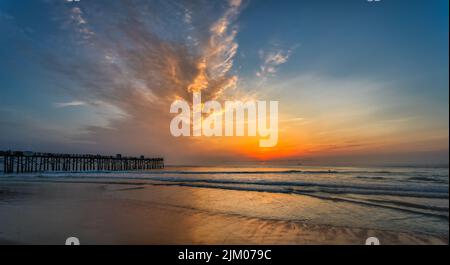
x=401, y=199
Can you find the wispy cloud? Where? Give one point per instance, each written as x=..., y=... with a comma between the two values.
x=5, y=16
x=69, y=104
x=79, y=22
x=297, y=119
x=271, y=60
x=217, y=58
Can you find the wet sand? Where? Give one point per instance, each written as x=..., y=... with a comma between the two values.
x=48, y=213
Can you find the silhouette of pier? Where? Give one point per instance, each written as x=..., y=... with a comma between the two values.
x=30, y=162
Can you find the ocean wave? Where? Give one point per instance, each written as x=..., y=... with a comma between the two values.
x=427, y=179
x=239, y=172
x=409, y=209
x=293, y=171
x=415, y=194
x=412, y=205
x=267, y=185
x=371, y=177
x=267, y=182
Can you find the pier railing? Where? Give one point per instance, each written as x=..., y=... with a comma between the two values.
x=29, y=162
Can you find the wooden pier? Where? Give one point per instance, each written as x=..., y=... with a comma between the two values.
x=30, y=162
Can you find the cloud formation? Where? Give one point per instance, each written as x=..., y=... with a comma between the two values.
x=69, y=104
x=139, y=56
x=271, y=61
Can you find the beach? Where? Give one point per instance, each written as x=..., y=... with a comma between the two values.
x=47, y=209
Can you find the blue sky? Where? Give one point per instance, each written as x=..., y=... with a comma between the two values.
x=67, y=69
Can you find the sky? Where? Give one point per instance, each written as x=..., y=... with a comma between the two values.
x=357, y=82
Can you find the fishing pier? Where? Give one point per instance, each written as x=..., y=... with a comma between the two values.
x=30, y=162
